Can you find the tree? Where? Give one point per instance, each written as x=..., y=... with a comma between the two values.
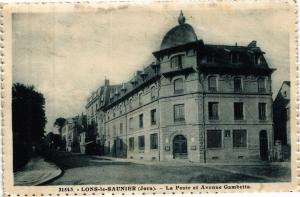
x=28, y=121
x=59, y=122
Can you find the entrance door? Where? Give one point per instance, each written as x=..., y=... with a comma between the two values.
x=263, y=142
x=179, y=147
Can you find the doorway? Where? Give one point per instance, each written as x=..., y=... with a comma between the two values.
x=263, y=145
x=179, y=147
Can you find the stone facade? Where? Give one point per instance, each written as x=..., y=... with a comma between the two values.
x=196, y=102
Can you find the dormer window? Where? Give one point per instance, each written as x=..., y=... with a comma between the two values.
x=235, y=58
x=257, y=59
x=153, y=93
x=140, y=99
x=176, y=61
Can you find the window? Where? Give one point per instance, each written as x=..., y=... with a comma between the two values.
x=212, y=83
x=238, y=111
x=140, y=99
x=239, y=138
x=287, y=113
x=141, y=123
x=108, y=132
x=142, y=142
x=257, y=59
x=120, y=144
x=131, y=143
x=131, y=123
x=214, y=139
x=235, y=58
x=179, y=112
x=176, y=61
x=213, y=111
x=154, y=141
x=178, y=86
x=153, y=93
x=121, y=128
x=130, y=104
x=262, y=111
x=114, y=131
x=261, y=85
x=237, y=84
x=153, y=117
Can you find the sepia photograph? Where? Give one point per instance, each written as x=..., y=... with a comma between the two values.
x=152, y=94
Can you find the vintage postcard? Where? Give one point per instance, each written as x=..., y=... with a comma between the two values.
x=149, y=98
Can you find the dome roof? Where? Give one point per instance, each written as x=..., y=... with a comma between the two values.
x=179, y=35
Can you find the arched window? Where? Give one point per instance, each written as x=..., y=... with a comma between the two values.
x=261, y=83
x=140, y=99
x=153, y=93
x=130, y=104
x=178, y=86
x=176, y=61
x=257, y=59
x=212, y=83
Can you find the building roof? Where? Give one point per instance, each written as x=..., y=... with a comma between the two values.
x=222, y=55
x=141, y=78
x=179, y=35
x=182, y=38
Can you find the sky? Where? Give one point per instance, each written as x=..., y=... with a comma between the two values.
x=67, y=55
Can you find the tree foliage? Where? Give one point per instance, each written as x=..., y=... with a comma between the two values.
x=59, y=122
x=28, y=121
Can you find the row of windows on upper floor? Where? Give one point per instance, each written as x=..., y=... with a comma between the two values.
x=179, y=115
x=153, y=122
x=178, y=85
x=176, y=60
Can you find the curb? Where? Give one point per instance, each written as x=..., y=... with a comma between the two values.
x=57, y=175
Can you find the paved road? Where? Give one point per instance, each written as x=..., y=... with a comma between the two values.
x=82, y=169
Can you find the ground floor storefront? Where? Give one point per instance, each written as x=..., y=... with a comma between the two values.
x=197, y=143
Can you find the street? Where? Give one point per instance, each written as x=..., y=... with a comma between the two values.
x=84, y=169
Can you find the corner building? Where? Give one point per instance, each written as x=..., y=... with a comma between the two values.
x=197, y=102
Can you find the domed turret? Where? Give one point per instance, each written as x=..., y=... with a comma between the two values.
x=179, y=35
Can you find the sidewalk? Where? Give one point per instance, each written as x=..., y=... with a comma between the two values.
x=36, y=172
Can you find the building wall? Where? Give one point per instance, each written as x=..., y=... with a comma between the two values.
x=195, y=97
x=250, y=97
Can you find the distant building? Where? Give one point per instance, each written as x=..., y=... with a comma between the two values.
x=198, y=102
x=281, y=110
x=96, y=116
x=71, y=131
